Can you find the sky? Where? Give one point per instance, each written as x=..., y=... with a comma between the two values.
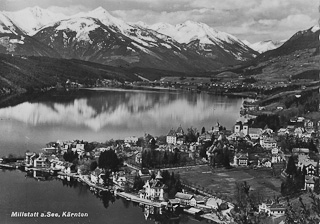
x=251, y=20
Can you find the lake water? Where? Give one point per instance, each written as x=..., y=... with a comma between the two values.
x=95, y=116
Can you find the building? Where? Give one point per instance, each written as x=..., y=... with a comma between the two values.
x=30, y=156
x=272, y=209
x=214, y=203
x=176, y=136
x=184, y=199
x=265, y=162
x=131, y=140
x=138, y=158
x=172, y=137
x=300, y=151
x=41, y=162
x=268, y=143
x=241, y=159
x=97, y=176
x=254, y=133
x=238, y=127
x=310, y=182
x=119, y=179
x=153, y=189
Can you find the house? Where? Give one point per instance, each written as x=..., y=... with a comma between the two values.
x=310, y=182
x=97, y=176
x=206, y=136
x=283, y=131
x=238, y=127
x=268, y=143
x=298, y=131
x=153, y=189
x=241, y=159
x=138, y=158
x=173, y=205
x=172, y=137
x=50, y=150
x=254, y=133
x=68, y=167
x=276, y=156
x=309, y=166
x=144, y=172
x=214, y=202
x=30, y=156
x=265, y=162
x=300, y=151
x=272, y=209
x=176, y=136
x=119, y=179
x=131, y=140
x=184, y=199
x=318, y=124
x=197, y=200
x=40, y=162
x=308, y=124
x=216, y=127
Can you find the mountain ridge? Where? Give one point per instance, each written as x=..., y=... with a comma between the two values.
x=148, y=47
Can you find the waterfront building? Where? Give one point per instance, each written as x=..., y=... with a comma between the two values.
x=41, y=162
x=30, y=156
x=153, y=189
x=97, y=176
x=183, y=198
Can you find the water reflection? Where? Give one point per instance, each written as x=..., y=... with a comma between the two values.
x=132, y=109
x=102, y=115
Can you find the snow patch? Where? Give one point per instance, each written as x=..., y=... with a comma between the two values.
x=166, y=45
x=82, y=27
x=32, y=19
x=315, y=28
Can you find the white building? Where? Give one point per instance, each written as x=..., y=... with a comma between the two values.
x=131, y=140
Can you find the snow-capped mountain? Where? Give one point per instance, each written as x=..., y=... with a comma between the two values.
x=7, y=26
x=100, y=37
x=32, y=19
x=14, y=41
x=87, y=38
x=263, y=46
x=300, y=41
x=208, y=41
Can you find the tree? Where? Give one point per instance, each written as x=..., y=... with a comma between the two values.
x=109, y=160
x=70, y=156
x=192, y=135
x=93, y=165
x=138, y=183
x=304, y=214
x=291, y=166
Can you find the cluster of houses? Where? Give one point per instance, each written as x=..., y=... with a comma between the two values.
x=154, y=190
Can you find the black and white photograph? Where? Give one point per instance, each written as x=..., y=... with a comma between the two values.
x=160, y=111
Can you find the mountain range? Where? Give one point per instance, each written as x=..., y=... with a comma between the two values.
x=98, y=36
x=152, y=51
x=267, y=45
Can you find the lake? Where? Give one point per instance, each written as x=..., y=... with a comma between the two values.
x=95, y=115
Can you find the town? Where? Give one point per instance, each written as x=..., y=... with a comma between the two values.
x=253, y=168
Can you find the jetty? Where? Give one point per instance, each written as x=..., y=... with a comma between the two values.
x=137, y=199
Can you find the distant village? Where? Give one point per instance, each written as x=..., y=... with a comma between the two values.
x=144, y=169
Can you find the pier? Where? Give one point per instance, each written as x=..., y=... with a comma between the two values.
x=137, y=199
